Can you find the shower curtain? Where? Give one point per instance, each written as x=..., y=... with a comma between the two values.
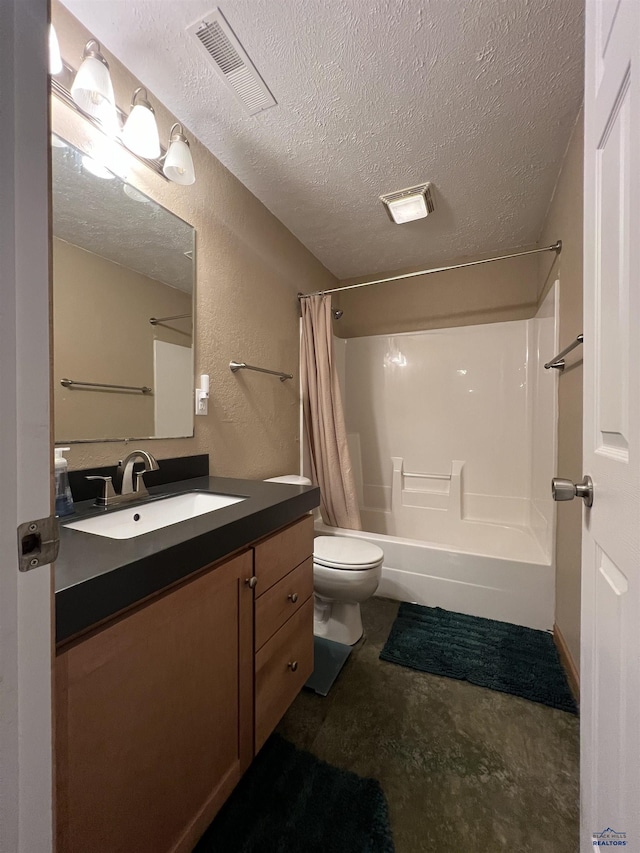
x=324, y=425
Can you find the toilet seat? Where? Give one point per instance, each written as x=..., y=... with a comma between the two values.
x=340, y=552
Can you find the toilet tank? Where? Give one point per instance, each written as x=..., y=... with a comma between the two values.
x=296, y=480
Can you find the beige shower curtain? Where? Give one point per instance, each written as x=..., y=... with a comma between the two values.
x=324, y=426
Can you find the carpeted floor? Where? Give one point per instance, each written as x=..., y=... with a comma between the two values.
x=463, y=768
x=289, y=801
x=497, y=655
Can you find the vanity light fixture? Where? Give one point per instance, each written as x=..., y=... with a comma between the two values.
x=92, y=89
x=140, y=132
x=178, y=163
x=89, y=91
x=409, y=204
x=55, y=59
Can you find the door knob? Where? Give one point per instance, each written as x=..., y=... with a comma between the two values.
x=567, y=490
x=251, y=582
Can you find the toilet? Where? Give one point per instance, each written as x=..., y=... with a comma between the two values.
x=346, y=572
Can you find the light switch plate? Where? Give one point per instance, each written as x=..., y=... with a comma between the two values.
x=202, y=402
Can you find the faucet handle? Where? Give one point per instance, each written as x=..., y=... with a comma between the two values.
x=108, y=492
x=140, y=487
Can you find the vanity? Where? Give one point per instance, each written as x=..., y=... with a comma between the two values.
x=178, y=651
x=179, y=645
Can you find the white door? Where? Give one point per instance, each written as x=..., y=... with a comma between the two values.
x=610, y=678
x=25, y=480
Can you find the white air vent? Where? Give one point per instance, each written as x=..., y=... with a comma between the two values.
x=232, y=63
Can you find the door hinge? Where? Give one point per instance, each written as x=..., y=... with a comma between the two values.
x=38, y=543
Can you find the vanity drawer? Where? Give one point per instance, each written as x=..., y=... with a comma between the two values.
x=276, y=556
x=283, y=665
x=282, y=601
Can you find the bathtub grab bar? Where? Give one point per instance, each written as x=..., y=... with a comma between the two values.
x=558, y=361
x=428, y=476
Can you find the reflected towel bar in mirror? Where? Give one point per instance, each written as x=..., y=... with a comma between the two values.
x=155, y=320
x=240, y=365
x=558, y=361
x=73, y=383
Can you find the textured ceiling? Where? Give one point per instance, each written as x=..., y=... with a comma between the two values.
x=97, y=215
x=477, y=96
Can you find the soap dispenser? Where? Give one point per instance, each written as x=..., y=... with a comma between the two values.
x=64, y=499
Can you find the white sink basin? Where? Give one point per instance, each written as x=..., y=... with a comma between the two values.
x=144, y=518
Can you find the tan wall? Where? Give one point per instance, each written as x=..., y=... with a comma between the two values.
x=491, y=293
x=102, y=334
x=249, y=269
x=564, y=222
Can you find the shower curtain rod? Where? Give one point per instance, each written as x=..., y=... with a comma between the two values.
x=557, y=247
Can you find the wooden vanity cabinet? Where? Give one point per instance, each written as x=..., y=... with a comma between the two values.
x=154, y=718
x=160, y=712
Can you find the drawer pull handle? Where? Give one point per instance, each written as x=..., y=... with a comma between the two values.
x=293, y=665
x=293, y=597
x=251, y=582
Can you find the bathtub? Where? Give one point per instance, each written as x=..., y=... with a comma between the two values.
x=497, y=572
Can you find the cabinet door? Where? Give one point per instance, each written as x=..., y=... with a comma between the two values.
x=155, y=718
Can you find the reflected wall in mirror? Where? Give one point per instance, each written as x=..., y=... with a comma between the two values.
x=119, y=260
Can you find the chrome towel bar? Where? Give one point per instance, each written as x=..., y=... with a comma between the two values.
x=241, y=365
x=71, y=383
x=558, y=361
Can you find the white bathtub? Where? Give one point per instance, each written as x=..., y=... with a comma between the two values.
x=499, y=572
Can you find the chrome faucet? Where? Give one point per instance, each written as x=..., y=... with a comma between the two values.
x=129, y=490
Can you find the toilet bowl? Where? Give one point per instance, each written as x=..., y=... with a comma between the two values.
x=346, y=572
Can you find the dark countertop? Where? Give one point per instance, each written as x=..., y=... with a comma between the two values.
x=95, y=577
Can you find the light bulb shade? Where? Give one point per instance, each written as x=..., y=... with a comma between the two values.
x=178, y=164
x=140, y=133
x=55, y=59
x=92, y=89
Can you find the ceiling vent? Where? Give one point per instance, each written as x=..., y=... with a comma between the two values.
x=232, y=63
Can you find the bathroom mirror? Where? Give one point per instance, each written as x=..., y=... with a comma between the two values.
x=123, y=288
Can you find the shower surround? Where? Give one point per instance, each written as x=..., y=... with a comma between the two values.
x=453, y=441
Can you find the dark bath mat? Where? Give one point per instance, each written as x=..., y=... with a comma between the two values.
x=492, y=654
x=291, y=802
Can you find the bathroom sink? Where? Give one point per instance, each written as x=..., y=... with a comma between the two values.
x=144, y=518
